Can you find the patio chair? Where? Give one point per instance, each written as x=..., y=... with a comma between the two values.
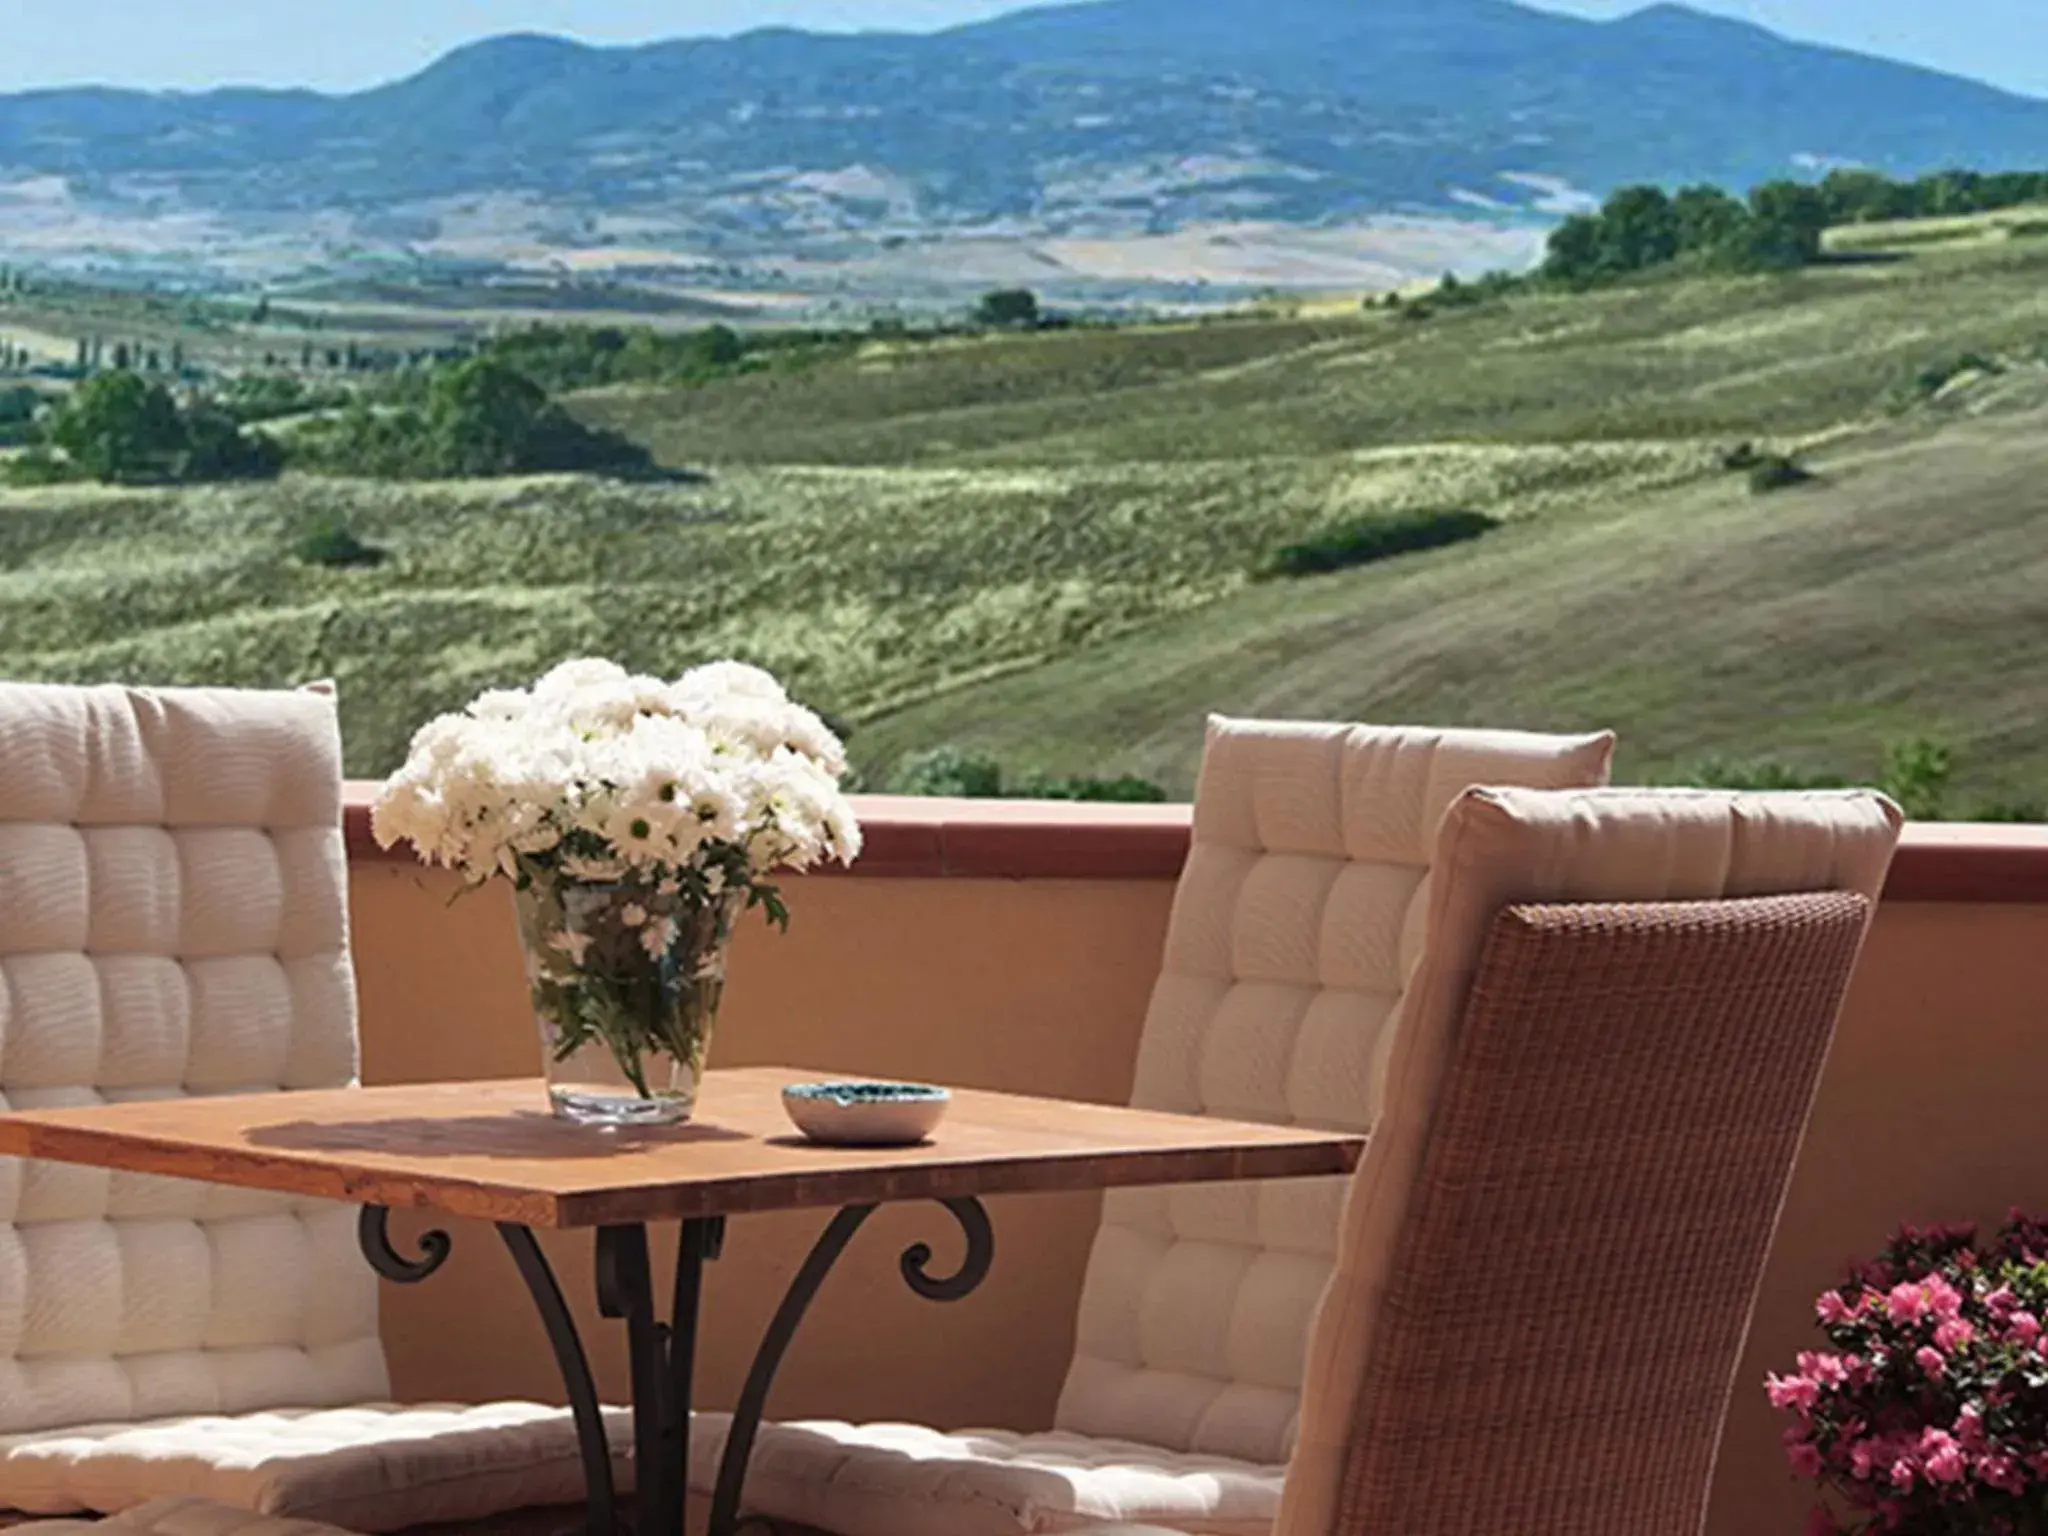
x=1549, y=1255
x=1296, y=924
x=1548, y=1259
x=173, y=920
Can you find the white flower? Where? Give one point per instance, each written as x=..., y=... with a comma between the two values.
x=594, y=774
x=733, y=679
x=632, y=914
x=657, y=936
x=574, y=945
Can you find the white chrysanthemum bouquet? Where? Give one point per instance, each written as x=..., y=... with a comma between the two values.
x=635, y=818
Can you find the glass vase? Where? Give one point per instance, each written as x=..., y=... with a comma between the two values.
x=626, y=984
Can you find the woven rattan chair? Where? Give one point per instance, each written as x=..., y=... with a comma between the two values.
x=1552, y=1249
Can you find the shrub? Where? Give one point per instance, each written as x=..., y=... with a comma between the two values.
x=479, y=417
x=1916, y=774
x=1010, y=308
x=1127, y=790
x=36, y=467
x=1928, y=1411
x=2020, y=812
x=334, y=545
x=1366, y=540
x=1933, y=380
x=1777, y=472
x=1758, y=774
x=949, y=771
x=965, y=775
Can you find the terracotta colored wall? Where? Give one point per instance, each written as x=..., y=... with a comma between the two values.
x=1035, y=986
x=1935, y=1106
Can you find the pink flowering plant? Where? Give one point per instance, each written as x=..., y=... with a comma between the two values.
x=1929, y=1412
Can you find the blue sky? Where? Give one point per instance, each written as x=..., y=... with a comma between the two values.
x=191, y=43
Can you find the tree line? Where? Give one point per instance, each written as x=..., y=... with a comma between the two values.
x=476, y=417
x=1782, y=225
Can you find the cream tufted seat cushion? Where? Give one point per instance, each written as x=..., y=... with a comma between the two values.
x=1296, y=925
x=173, y=921
x=182, y=1516
x=909, y=1480
x=373, y=1467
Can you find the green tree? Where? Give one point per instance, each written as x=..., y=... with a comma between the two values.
x=1009, y=308
x=951, y=772
x=720, y=346
x=216, y=448
x=1638, y=230
x=482, y=418
x=1710, y=222
x=117, y=426
x=1788, y=222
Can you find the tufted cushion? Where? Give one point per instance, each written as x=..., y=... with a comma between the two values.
x=172, y=921
x=1295, y=926
x=907, y=1480
x=1502, y=846
x=372, y=1468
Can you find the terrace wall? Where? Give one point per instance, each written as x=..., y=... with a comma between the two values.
x=1013, y=947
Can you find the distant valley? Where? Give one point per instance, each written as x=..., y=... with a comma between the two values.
x=1143, y=151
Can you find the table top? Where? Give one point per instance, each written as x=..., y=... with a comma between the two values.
x=492, y=1150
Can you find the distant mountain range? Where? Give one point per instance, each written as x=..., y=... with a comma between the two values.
x=1105, y=118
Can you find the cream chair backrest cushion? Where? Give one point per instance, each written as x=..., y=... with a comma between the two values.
x=1502, y=846
x=173, y=920
x=1297, y=921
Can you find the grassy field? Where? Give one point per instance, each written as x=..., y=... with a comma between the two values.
x=1043, y=546
x=1701, y=357
x=1904, y=595
x=868, y=589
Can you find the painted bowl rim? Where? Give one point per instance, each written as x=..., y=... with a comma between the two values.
x=870, y=1092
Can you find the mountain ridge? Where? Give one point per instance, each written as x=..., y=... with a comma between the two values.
x=1104, y=118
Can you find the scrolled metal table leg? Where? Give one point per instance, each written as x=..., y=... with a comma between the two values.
x=725, y=1517
x=373, y=1236
x=601, y=1497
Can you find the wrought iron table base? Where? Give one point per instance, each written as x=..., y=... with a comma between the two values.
x=662, y=1355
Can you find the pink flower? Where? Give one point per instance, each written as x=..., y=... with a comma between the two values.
x=1864, y=1458
x=2002, y=1472
x=1952, y=1335
x=1827, y=1370
x=1943, y=1299
x=1970, y=1429
x=2001, y=1301
x=1907, y=1303
x=1832, y=1309
x=1928, y=1358
x=1943, y=1457
x=2022, y=1327
x=1902, y=1475
x=2037, y=1463
x=1797, y=1393
x=1804, y=1458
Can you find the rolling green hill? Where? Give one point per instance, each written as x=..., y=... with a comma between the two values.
x=1044, y=546
x=1794, y=353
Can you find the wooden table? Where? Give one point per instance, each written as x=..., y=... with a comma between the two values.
x=492, y=1150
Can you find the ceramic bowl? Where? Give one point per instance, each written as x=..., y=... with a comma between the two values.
x=865, y=1114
